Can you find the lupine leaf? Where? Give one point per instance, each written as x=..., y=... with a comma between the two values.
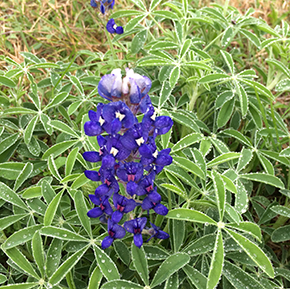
x=9, y=220
x=51, y=209
x=201, y=245
x=223, y=158
x=187, y=141
x=189, y=166
x=95, y=279
x=58, y=149
x=63, y=127
x=121, y=284
x=23, y=176
x=197, y=278
x=220, y=193
x=53, y=256
x=247, y=227
x=38, y=252
x=264, y=178
x=61, y=233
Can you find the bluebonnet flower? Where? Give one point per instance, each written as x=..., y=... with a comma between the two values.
x=115, y=231
x=123, y=205
x=155, y=232
x=104, y=207
x=128, y=155
x=103, y=4
x=113, y=28
x=135, y=227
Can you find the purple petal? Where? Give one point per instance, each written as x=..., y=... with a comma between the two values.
x=108, y=162
x=92, y=175
x=95, y=213
x=138, y=240
x=107, y=242
x=92, y=128
x=163, y=160
x=94, y=4
x=105, y=85
x=93, y=116
x=131, y=188
x=135, y=94
x=142, y=222
x=119, y=231
x=145, y=151
x=116, y=126
x=117, y=216
x=147, y=204
x=130, y=225
x=161, y=210
x=95, y=200
x=154, y=197
x=101, y=190
x=130, y=206
x=92, y=157
x=102, y=8
x=161, y=235
x=119, y=30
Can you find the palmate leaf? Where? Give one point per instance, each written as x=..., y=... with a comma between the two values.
x=201, y=245
x=95, y=279
x=121, y=284
x=196, y=278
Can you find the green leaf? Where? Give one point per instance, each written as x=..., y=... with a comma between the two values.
x=125, y=13
x=20, y=286
x=121, y=284
x=44, y=65
x=9, y=220
x=38, y=252
x=17, y=238
x=122, y=251
x=229, y=185
x=23, y=176
x=280, y=210
x=30, y=57
x=153, y=4
x=220, y=193
x=228, y=60
x=285, y=152
x=58, y=99
x=178, y=229
x=247, y=227
x=227, y=37
x=198, y=65
x=267, y=165
x=251, y=36
x=164, y=94
x=139, y=4
x=51, y=209
x=3, y=279
x=174, y=76
x=153, y=61
x=190, y=216
x=61, y=233
x=260, y=87
x=155, y=253
x=241, y=202
x=7, y=81
x=201, y=245
x=189, y=166
x=223, y=158
x=140, y=262
x=32, y=192
x=45, y=120
x=283, y=85
x=95, y=279
x=239, y=278
x=225, y=112
x=245, y=158
x=107, y=266
x=138, y=41
x=281, y=234
x=171, y=265
x=165, y=14
x=223, y=98
x=63, y=127
x=163, y=45
x=214, y=78
x=8, y=142
x=254, y=252
x=243, y=97
x=82, y=210
x=18, y=258
x=217, y=262
x=280, y=66
x=10, y=196
x=53, y=256
x=134, y=22
x=239, y=136
x=263, y=178
x=75, y=81
x=185, y=47
x=79, y=181
x=196, y=278
x=187, y=141
x=19, y=110
x=58, y=149
x=70, y=161
x=66, y=266
x=176, y=190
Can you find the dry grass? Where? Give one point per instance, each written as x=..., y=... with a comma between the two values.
x=56, y=31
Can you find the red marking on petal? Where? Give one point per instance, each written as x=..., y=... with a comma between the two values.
x=150, y=188
x=107, y=182
x=131, y=178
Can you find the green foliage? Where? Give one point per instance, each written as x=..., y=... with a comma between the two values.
x=227, y=190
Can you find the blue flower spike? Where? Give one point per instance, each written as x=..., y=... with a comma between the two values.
x=113, y=28
x=128, y=154
x=103, y=4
